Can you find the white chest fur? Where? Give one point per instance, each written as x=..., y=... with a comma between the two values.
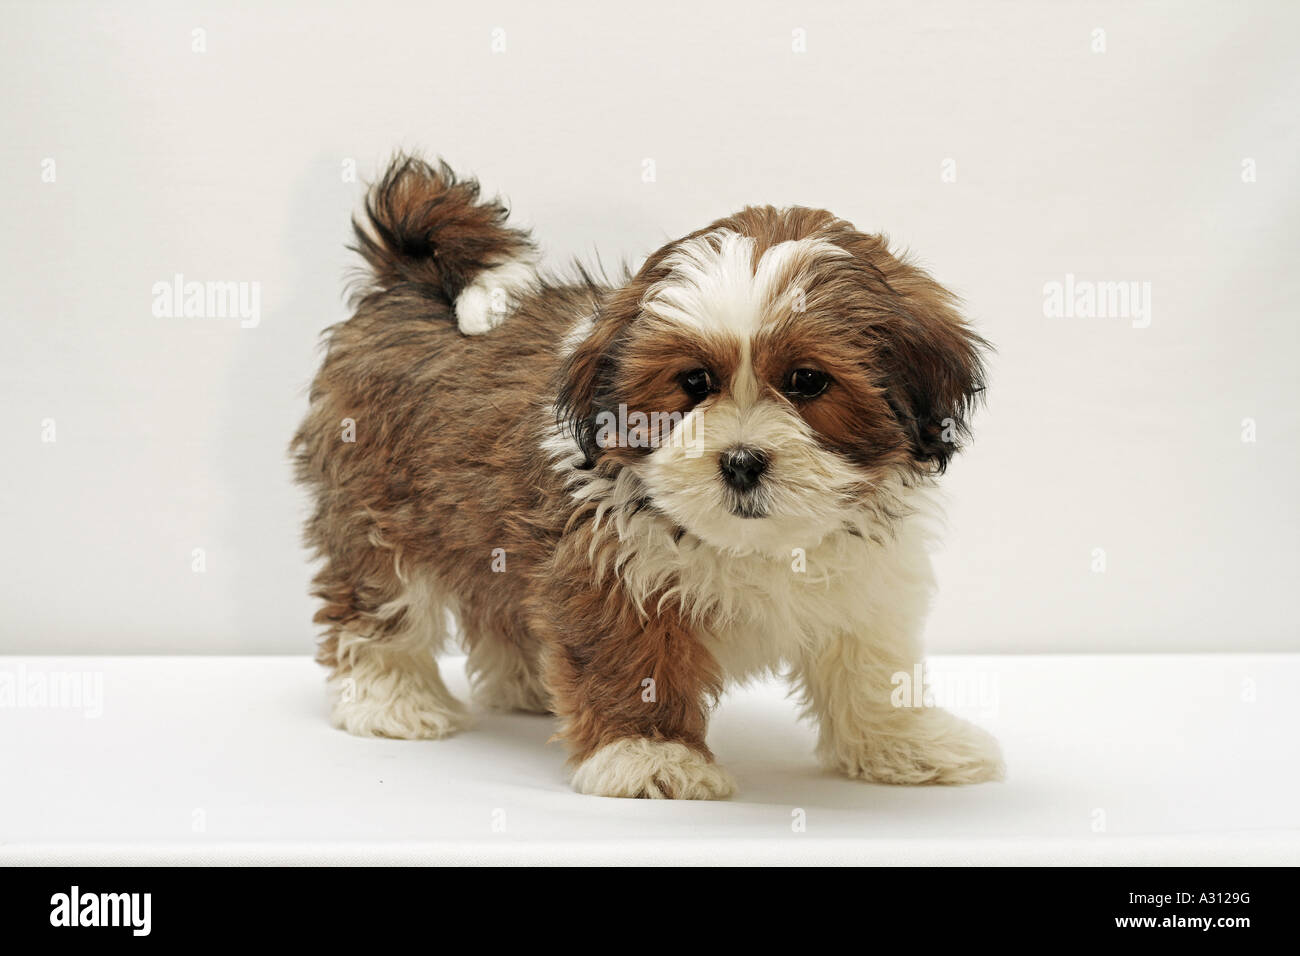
x=759, y=612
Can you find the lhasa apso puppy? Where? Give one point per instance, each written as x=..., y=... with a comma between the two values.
x=630, y=495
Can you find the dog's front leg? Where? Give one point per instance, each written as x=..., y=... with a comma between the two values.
x=867, y=729
x=634, y=696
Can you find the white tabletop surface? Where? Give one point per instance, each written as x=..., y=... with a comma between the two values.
x=1112, y=759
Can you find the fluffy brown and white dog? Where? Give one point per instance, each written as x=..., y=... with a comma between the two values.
x=632, y=495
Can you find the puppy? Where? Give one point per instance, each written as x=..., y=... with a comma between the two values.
x=630, y=495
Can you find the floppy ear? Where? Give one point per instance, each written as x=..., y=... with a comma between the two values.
x=936, y=373
x=933, y=362
x=585, y=377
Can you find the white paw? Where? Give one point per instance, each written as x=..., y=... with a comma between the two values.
x=933, y=748
x=493, y=295
x=655, y=769
x=399, y=706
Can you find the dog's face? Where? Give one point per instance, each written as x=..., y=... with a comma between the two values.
x=765, y=376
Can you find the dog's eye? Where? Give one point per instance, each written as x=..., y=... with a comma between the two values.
x=697, y=383
x=807, y=383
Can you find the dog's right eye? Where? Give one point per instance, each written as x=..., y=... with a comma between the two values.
x=697, y=383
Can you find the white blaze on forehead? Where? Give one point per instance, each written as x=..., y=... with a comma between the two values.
x=714, y=285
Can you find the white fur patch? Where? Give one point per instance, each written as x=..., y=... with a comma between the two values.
x=657, y=769
x=715, y=286
x=390, y=686
x=807, y=492
x=487, y=301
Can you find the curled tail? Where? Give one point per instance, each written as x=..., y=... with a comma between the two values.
x=424, y=228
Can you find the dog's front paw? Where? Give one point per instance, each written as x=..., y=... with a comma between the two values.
x=655, y=769
x=928, y=747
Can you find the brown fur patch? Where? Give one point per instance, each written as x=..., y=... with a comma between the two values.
x=598, y=671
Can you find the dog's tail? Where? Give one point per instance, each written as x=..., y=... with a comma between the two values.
x=424, y=228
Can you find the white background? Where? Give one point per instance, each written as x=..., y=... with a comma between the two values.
x=229, y=165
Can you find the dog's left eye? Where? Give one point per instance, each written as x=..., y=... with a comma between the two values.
x=807, y=383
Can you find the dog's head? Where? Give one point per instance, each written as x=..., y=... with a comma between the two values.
x=765, y=376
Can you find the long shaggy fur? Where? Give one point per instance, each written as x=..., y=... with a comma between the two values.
x=616, y=581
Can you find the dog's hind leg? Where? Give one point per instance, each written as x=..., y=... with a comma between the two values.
x=504, y=669
x=384, y=678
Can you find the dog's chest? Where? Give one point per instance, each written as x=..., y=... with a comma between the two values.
x=756, y=613
x=779, y=611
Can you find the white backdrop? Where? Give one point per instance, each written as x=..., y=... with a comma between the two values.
x=1111, y=501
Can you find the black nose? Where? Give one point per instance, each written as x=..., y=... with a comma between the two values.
x=742, y=467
